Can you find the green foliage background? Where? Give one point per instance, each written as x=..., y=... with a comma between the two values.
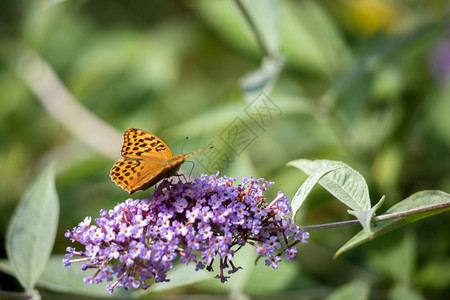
x=357, y=85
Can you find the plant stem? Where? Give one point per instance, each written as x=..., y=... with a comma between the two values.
x=253, y=27
x=412, y=211
x=378, y=218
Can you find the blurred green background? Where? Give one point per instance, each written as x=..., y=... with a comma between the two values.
x=366, y=82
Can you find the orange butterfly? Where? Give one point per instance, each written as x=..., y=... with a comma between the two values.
x=146, y=159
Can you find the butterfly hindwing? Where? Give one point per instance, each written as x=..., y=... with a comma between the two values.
x=123, y=172
x=170, y=168
x=132, y=174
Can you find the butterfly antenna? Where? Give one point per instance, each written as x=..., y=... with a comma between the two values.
x=193, y=163
x=184, y=144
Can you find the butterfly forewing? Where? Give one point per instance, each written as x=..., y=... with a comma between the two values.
x=138, y=143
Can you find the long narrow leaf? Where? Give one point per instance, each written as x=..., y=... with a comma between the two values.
x=262, y=79
x=263, y=14
x=32, y=229
x=67, y=280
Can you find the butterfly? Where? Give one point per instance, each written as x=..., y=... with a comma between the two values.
x=145, y=160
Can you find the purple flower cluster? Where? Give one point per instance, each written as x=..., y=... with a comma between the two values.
x=197, y=221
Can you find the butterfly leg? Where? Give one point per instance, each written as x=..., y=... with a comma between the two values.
x=192, y=169
x=181, y=175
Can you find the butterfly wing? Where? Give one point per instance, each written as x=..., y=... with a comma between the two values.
x=126, y=173
x=138, y=144
x=146, y=159
x=137, y=174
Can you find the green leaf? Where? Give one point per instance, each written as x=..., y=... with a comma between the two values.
x=264, y=15
x=382, y=54
x=239, y=281
x=67, y=280
x=261, y=17
x=306, y=188
x=262, y=79
x=357, y=289
x=311, y=41
x=5, y=267
x=50, y=3
x=266, y=280
x=225, y=19
x=246, y=260
x=32, y=229
x=403, y=291
x=395, y=262
x=180, y=275
x=365, y=217
x=416, y=201
x=70, y=280
x=347, y=185
x=435, y=274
